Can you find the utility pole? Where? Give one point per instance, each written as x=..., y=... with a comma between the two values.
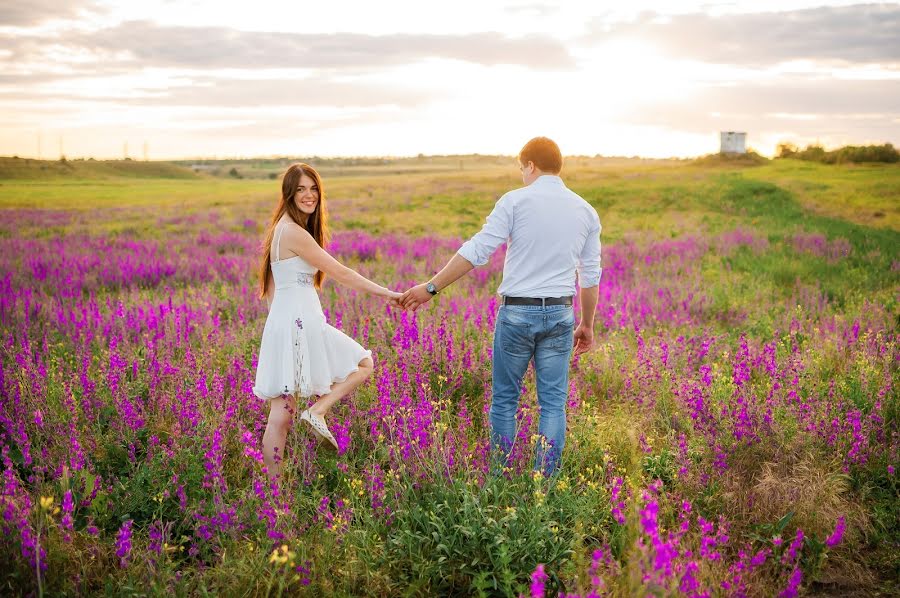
x=62, y=154
x=146, y=151
x=125, y=151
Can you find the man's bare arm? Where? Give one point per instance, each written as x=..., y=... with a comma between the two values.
x=417, y=296
x=584, y=333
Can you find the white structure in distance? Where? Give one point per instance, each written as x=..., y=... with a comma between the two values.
x=733, y=142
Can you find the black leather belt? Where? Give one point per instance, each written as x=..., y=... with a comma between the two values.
x=537, y=301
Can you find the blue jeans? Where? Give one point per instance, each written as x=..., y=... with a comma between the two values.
x=545, y=334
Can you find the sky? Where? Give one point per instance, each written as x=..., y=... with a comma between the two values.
x=163, y=79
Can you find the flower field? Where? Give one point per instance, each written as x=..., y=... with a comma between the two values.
x=735, y=431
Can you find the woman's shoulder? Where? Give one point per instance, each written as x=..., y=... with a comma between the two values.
x=292, y=229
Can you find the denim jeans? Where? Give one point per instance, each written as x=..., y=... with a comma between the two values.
x=544, y=334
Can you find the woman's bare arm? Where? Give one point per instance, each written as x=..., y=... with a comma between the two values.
x=300, y=242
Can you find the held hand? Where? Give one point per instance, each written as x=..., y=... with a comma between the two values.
x=415, y=297
x=393, y=298
x=584, y=339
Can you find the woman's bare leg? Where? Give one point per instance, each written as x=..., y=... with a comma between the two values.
x=342, y=389
x=281, y=414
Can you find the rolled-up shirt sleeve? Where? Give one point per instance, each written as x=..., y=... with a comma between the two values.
x=589, y=270
x=495, y=232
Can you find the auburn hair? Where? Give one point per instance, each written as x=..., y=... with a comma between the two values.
x=545, y=154
x=316, y=223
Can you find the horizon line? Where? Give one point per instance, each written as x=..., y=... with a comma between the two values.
x=420, y=155
x=346, y=157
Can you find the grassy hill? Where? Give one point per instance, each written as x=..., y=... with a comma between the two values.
x=260, y=169
x=631, y=195
x=271, y=168
x=28, y=169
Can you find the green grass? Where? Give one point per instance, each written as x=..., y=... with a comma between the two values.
x=667, y=197
x=28, y=169
x=865, y=194
x=662, y=198
x=778, y=199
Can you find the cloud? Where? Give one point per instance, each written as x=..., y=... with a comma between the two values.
x=811, y=105
x=862, y=33
x=146, y=44
x=142, y=64
x=318, y=91
x=33, y=12
x=824, y=96
x=532, y=9
x=234, y=93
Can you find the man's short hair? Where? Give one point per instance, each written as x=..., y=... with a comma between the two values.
x=545, y=154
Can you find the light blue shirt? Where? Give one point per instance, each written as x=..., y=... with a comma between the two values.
x=551, y=233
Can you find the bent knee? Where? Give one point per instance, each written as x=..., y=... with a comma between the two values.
x=367, y=366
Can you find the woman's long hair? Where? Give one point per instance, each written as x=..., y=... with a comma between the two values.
x=316, y=223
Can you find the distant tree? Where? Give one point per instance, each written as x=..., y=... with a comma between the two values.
x=234, y=173
x=815, y=153
x=867, y=153
x=844, y=155
x=786, y=150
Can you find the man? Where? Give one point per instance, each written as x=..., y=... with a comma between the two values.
x=552, y=233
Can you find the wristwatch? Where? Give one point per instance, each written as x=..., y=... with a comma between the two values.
x=431, y=288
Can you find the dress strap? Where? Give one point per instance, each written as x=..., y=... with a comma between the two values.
x=277, y=243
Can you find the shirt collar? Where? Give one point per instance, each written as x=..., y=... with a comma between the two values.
x=548, y=179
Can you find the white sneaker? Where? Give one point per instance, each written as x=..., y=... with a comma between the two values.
x=318, y=427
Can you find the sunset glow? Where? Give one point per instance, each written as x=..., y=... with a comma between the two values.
x=191, y=79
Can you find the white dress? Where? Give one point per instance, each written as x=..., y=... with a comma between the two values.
x=300, y=354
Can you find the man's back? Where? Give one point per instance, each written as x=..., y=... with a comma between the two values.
x=551, y=231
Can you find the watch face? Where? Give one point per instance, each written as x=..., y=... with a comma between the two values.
x=431, y=288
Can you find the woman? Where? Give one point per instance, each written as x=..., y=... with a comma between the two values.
x=300, y=354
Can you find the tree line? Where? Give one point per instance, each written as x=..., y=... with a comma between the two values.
x=848, y=153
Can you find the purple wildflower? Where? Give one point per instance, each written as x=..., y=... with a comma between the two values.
x=67, y=508
x=837, y=535
x=793, y=584
x=123, y=543
x=537, y=582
